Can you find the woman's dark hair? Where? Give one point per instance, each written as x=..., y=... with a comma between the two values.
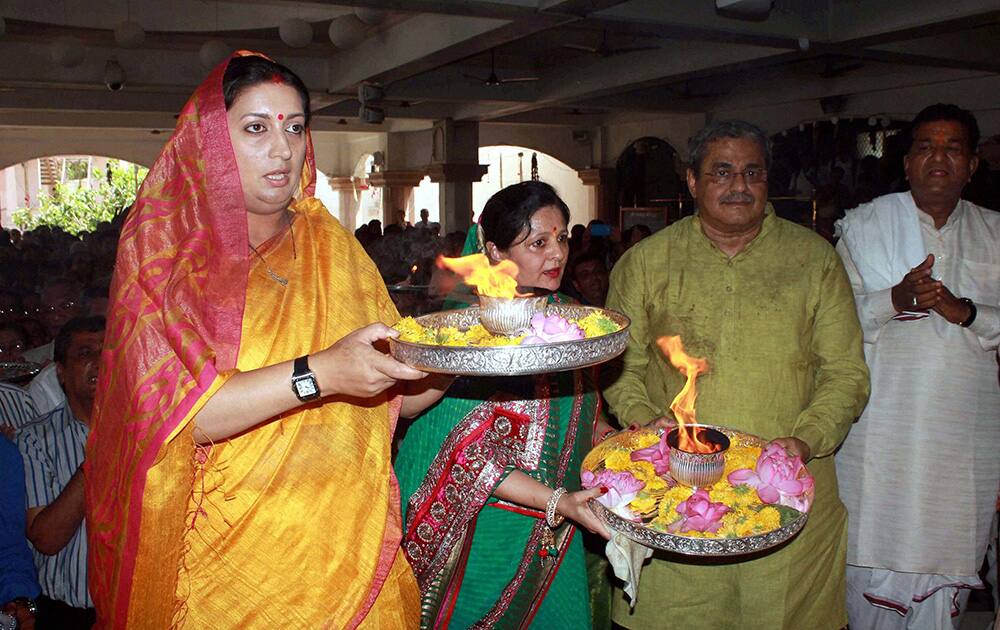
x=251, y=70
x=509, y=212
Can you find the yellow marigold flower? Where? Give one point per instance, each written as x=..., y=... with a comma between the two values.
x=618, y=460
x=644, y=439
x=643, y=470
x=596, y=324
x=643, y=503
x=768, y=519
x=655, y=484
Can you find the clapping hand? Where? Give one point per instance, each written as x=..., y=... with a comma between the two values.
x=917, y=291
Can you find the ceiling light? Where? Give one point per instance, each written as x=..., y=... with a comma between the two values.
x=346, y=31
x=296, y=33
x=114, y=75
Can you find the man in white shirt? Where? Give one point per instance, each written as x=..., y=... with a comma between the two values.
x=53, y=451
x=920, y=470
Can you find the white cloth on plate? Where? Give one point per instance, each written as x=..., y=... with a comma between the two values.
x=626, y=557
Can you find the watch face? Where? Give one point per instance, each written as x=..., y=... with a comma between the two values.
x=305, y=387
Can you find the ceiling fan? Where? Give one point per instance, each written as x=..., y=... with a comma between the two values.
x=831, y=69
x=493, y=80
x=605, y=50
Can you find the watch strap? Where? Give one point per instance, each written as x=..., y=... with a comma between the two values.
x=304, y=381
x=301, y=366
x=973, y=311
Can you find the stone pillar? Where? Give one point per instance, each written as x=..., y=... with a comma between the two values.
x=603, y=193
x=397, y=190
x=455, y=166
x=455, y=192
x=346, y=189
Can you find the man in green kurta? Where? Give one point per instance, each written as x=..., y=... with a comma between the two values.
x=768, y=304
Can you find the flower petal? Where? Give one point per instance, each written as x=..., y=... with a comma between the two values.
x=768, y=493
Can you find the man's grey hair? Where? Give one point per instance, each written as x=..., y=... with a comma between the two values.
x=698, y=144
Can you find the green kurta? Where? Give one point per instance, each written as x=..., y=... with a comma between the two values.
x=778, y=327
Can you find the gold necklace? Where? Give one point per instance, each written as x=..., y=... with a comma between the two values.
x=283, y=281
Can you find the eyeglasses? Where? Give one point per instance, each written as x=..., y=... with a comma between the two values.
x=725, y=176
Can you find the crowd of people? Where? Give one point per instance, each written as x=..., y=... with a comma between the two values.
x=407, y=259
x=220, y=440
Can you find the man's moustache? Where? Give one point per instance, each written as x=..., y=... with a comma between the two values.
x=738, y=198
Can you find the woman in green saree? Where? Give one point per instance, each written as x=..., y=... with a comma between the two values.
x=479, y=471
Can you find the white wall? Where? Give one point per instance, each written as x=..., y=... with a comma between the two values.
x=550, y=170
x=556, y=141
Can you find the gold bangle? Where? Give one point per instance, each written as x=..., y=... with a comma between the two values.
x=551, y=518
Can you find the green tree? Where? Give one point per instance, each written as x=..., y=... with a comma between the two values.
x=77, y=209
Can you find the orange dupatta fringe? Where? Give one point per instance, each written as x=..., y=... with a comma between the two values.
x=174, y=327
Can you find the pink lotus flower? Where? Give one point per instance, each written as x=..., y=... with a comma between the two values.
x=552, y=328
x=778, y=478
x=622, y=488
x=658, y=455
x=699, y=514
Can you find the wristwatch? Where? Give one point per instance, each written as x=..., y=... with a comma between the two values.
x=972, y=312
x=304, y=382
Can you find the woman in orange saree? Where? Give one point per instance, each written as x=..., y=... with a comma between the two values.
x=217, y=494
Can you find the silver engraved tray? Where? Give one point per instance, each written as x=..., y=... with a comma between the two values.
x=640, y=532
x=511, y=360
x=18, y=371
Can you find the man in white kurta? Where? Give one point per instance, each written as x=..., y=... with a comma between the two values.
x=919, y=472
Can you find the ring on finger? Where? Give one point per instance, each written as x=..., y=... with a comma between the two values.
x=914, y=300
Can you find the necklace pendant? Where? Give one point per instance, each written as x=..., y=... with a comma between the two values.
x=279, y=279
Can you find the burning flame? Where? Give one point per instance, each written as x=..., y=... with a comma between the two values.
x=688, y=438
x=498, y=280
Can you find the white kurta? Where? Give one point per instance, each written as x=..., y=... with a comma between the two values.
x=919, y=471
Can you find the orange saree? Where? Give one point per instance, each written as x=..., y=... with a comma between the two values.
x=294, y=523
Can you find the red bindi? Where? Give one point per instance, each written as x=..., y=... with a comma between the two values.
x=276, y=78
x=281, y=116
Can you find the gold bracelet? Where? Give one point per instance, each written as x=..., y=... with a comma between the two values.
x=554, y=520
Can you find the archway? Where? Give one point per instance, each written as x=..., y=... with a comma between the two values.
x=512, y=164
x=74, y=192
x=647, y=174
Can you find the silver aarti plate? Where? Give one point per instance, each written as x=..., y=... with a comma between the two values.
x=511, y=360
x=642, y=533
x=18, y=371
